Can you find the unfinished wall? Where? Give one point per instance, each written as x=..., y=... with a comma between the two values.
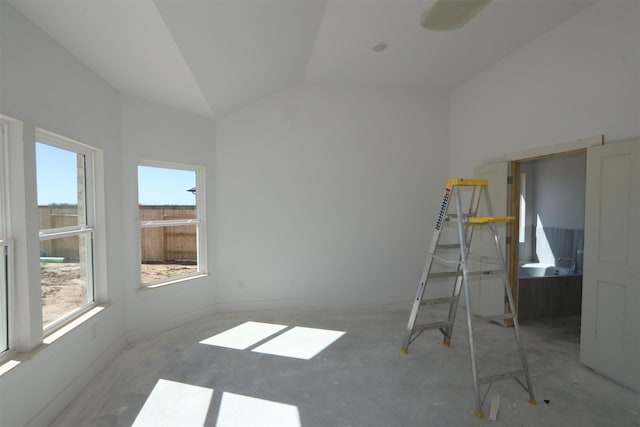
x=578, y=80
x=153, y=132
x=327, y=195
x=42, y=85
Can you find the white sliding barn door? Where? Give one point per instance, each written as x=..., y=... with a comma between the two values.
x=487, y=292
x=610, y=332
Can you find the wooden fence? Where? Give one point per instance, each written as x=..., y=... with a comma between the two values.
x=158, y=244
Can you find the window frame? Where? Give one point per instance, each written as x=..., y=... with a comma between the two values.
x=88, y=227
x=198, y=221
x=4, y=179
x=6, y=247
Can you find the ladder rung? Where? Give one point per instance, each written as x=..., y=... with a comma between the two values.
x=448, y=246
x=445, y=274
x=450, y=216
x=486, y=272
x=500, y=377
x=489, y=219
x=433, y=325
x=434, y=301
x=445, y=260
x=496, y=317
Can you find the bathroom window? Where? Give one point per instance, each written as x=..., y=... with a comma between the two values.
x=65, y=191
x=523, y=208
x=170, y=214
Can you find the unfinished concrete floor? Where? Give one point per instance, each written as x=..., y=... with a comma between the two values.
x=363, y=379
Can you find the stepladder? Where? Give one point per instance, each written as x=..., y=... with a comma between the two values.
x=450, y=259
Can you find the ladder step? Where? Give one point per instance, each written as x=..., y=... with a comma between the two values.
x=445, y=261
x=496, y=317
x=435, y=301
x=444, y=274
x=467, y=182
x=433, y=325
x=500, y=377
x=486, y=272
x=448, y=246
x=454, y=216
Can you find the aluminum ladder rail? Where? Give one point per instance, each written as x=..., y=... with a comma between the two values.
x=466, y=223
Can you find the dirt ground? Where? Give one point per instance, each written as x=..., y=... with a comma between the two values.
x=151, y=272
x=63, y=290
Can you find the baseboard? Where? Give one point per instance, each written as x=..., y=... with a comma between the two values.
x=168, y=323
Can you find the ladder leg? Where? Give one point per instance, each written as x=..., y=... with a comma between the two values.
x=465, y=284
x=453, y=308
x=422, y=284
x=408, y=335
x=523, y=358
x=472, y=352
x=516, y=324
x=412, y=318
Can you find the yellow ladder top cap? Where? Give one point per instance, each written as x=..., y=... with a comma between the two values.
x=488, y=219
x=468, y=182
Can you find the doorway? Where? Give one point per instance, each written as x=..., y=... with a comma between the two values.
x=550, y=236
x=609, y=261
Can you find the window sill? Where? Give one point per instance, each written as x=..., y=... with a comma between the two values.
x=58, y=333
x=145, y=288
x=9, y=364
x=14, y=359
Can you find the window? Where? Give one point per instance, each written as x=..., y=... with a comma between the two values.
x=5, y=244
x=523, y=208
x=171, y=204
x=65, y=190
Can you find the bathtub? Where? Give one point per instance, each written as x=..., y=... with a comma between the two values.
x=544, y=270
x=548, y=291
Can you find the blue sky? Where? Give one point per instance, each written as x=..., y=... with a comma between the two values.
x=57, y=183
x=56, y=175
x=160, y=186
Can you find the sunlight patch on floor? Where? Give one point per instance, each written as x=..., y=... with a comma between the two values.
x=243, y=336
x=300, y=342
x=175, y=404
x=237, y=410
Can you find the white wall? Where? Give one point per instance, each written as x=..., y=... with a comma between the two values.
x=42, y=85
x=580, y=79
x=152, y=132
x=559, y=184
x=328, y=195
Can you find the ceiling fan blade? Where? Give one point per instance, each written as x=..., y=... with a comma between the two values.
x=447, y=15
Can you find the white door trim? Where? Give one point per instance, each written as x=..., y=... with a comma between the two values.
x=554, y=149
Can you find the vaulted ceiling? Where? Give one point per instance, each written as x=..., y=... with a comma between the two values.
x=212, y=56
